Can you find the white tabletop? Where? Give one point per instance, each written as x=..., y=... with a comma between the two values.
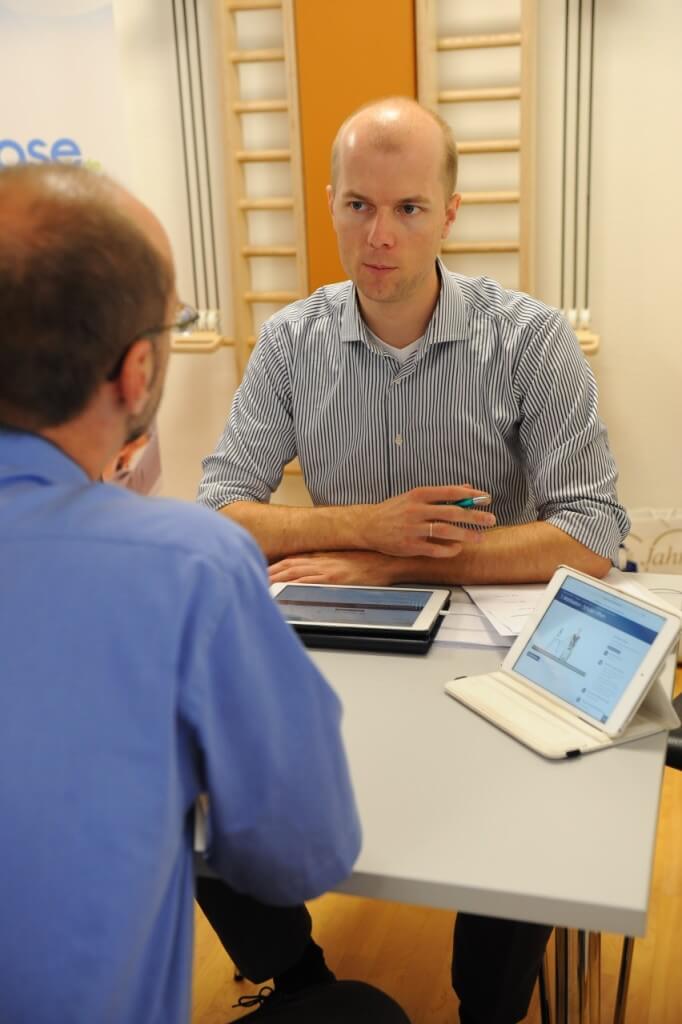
x=457, y=814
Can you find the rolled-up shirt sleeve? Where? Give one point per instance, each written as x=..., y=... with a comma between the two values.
x=563, y=441
x=259, y=438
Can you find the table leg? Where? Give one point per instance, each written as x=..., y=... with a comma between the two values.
x=594, y=976
x=577, y=977
x=623, y=980
x=561, y=975
x=581, y=972
x=577, y=989
x=545, y=1000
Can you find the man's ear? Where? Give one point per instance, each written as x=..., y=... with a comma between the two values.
x=136, y=376
x=451, y=213
x=330, y=200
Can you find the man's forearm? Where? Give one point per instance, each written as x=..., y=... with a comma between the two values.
x=422, y=522
x=282, y=530
x=509, y=554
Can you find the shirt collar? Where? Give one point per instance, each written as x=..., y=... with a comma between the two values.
x=448, y=322
x=27, y=454
x=352, y=324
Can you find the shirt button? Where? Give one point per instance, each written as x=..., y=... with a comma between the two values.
x=398, y=439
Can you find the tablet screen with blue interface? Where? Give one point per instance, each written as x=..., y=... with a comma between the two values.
x=588, y=646
x=352, y=606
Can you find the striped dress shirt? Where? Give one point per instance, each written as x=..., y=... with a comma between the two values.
x=497, y=395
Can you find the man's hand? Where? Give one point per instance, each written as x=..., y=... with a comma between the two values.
x=420, y=523
x=417, y=524
x=368, y=568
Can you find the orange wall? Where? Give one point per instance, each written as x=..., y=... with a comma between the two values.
x=348, y=52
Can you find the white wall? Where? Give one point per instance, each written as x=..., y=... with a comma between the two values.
x=637, y=215
x=636, y=223
x=199, y=388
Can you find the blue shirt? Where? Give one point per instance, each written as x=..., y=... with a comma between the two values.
x=144, y=662
x=497, y=395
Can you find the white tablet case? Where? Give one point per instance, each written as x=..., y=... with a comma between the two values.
x=555, y=732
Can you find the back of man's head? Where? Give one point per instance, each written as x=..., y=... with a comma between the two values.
x=79, y=281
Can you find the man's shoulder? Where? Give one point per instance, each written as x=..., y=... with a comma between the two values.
x=489, y=298
x=165, y=529
x=322, y=305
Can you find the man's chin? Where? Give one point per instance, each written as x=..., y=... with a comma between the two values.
x=136, y=432
x=379, y=291
x=140, y=425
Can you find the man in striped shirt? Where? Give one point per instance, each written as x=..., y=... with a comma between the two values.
x=409, y=386
x=400, y=390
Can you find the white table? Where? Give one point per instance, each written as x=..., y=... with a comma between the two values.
x=458, y=815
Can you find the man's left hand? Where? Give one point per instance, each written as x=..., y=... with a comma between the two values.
x=368, y=568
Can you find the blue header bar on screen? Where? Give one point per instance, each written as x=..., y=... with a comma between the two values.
x=608, y=616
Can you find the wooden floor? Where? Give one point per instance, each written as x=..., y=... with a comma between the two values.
x=406, y=950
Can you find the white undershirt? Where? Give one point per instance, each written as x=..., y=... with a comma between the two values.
x=401, y=354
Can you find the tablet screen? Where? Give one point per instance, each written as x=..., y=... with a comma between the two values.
x=352, y=606
x=588, y=646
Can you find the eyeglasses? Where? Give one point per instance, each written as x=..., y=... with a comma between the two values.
x=186, y=316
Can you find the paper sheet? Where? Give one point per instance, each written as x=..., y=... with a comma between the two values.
x=466, y=624
x=507, y=608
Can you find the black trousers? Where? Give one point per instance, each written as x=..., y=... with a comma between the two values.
x=261, y=940
x=494, y=967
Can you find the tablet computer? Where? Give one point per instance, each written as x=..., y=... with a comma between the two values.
x=579, y=671
x=336, y=612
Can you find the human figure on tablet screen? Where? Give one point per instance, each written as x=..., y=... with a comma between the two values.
x=570, y=646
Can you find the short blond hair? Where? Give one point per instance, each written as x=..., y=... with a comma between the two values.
x=386, y=142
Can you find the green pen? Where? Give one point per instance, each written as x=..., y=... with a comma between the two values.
x=479, y=499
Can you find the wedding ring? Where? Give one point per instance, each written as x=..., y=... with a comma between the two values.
x=431, y=530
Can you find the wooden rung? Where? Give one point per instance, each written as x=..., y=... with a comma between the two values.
x=254, y=5
x=479, y=95
x=269, y=250
x=255, y=56
x=260, y=106
x=199, y=342
x=490, y=197
x=489, y=146
x=271, y=297
x=479, y=42
x=293, y=467
x=276, y=203
x=262, y=156
x=461, y=247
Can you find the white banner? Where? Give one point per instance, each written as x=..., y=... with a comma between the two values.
x=61, y=102
x=59, y=85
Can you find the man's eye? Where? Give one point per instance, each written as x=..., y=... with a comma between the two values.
x=356, y=204
x=410, y=209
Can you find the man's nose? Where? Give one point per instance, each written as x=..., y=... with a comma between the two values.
x=381, y=230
